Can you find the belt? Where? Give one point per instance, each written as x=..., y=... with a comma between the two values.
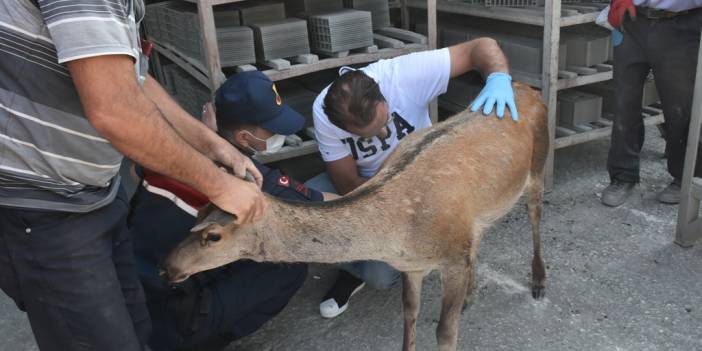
x=657, y=14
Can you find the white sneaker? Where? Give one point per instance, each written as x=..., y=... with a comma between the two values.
x=345, y=286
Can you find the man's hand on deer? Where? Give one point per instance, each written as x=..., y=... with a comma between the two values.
x=241, y=166
x=241, y=198
x=497, y=91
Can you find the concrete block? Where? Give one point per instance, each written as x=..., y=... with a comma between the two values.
x=226, y=16
x=578, y=108
x=582, y=70
x=605, y=90
x=368, y=49
x=340, y=54
x=294, y=7
x=341, y=30
x=562, y=131
x=603, y=67
x=567, y=74
x=510, y=3
x=583, y=128
x=278, y=64
x=306, y=58
x=586, y=49
x=379, y=9
x=255, y=13
x=605, y=122
x=386, y=42
x=526, y=54
x=403, y=35
x=236, y=46
x=281, y=39
x=245, y=68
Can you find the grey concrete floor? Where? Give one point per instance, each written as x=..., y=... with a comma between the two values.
x=616, y=280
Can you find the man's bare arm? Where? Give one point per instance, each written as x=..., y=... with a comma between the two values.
x=117, y=107
x=344, y=174
x=482, y=54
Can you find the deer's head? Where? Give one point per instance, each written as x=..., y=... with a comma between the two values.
x=215, y=241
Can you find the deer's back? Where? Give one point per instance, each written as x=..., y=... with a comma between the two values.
x=468, y=165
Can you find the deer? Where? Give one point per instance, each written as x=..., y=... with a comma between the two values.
x=425, y=210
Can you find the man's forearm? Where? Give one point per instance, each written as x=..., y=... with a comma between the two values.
x=348, y=185
x=487, y=57
x=191, y=130
x=482, y=54
x=117, y=107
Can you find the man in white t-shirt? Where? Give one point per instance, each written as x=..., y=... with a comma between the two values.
x=362, y=116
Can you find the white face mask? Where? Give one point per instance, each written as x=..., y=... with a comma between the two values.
x=273, y=144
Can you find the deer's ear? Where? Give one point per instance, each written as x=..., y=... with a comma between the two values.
x=209, y=215
x=199, y=227
x=205, y=211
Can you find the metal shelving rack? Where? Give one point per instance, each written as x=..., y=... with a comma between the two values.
x=210, y=74
x=552, y=21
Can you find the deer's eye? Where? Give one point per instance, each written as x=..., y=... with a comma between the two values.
x=213, y=237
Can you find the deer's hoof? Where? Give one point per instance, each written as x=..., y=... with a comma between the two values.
x=538, y=291
x=466, y=304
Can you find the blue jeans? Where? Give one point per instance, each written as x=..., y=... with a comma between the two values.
x=378, y=275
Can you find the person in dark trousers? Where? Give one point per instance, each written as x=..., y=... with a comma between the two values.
x=75, y=96
x=211, y=309
x=663, y=36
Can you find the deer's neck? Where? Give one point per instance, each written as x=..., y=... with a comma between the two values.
x=330, y=233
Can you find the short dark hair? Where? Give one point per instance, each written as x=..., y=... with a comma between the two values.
x=352, y=99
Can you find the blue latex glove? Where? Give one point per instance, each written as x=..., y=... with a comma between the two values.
x=617, y=37
x=497, y=90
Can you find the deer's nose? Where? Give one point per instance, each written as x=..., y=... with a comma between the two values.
x=172, y=276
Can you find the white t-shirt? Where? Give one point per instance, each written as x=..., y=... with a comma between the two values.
x=408, y=83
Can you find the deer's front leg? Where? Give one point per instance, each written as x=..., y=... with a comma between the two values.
x=411, y=294
x=455, y=281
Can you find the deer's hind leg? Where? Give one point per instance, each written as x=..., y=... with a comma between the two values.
x=473, y=247
x=471, y=286
x=411, y=295
x=454, y=279
x=535, y=192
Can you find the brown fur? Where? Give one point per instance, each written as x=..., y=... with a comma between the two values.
x=425, y=210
